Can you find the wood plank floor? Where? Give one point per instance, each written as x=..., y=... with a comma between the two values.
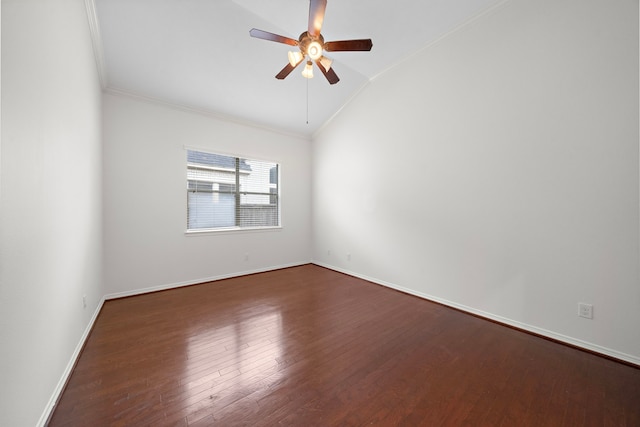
x=307, y=346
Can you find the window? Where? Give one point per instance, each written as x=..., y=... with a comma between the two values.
x=226, y=192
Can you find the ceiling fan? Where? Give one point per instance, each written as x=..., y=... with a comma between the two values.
x=312, y=45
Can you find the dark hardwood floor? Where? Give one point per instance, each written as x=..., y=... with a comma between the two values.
x=307, y=346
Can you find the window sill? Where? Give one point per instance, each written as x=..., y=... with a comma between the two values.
x=210, y=231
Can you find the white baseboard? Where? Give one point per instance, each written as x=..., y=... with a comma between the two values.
x=57, y=392
x=519, y=325
x=198, y=281
x=539, y=331
x=44, y=418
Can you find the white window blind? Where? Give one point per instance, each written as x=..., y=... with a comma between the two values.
x=231, y=192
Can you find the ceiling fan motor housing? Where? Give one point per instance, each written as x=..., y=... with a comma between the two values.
x=307, y=45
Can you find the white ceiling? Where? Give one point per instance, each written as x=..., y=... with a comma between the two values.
x=198, y=53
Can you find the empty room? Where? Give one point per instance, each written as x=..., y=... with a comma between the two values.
x=319, y=212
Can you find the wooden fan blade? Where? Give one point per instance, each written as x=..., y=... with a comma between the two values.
x=349, y=45
x=287, y=70
x=259, y=34
x=316, y=16
x=331, y=75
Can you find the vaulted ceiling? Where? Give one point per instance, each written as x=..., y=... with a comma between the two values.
x=198, y=53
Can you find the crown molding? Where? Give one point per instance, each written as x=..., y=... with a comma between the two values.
x=96, y=41
x=488, y=11
x=122, y=93
x=403, y=61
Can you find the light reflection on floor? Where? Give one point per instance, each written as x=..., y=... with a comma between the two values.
x=224, y=361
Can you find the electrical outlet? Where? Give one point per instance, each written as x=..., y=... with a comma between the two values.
x=348, y=257
x=84, y=301
x=329, y=252
x=246, y=257
x=585, y=310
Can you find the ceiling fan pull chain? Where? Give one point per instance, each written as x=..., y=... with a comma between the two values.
x=307, y=101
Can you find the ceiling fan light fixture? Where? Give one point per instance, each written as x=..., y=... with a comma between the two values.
x=314, y=50
x=312, y=45
x=295, y=58
x=326, y=63
x=308, y=70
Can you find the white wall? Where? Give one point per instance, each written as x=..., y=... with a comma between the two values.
x=50, y=210
x=145, y=198
x=520, y=199
x=497, y=171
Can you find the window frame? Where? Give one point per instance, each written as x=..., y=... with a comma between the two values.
x=237, y=195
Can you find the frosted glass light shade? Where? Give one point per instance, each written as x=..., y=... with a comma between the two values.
x=308, y=70
x=326, y=62
x=314, y=50
x=294, y=58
